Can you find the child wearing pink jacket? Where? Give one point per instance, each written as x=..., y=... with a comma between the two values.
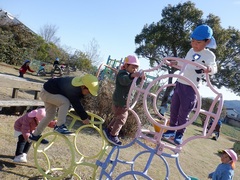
x=23, y=127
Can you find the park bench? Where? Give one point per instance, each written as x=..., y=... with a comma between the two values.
x=19, y=92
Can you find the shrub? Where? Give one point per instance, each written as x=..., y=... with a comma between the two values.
x=102, y=106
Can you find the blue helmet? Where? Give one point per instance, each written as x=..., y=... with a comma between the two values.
x=203, y=32
x=26, y=61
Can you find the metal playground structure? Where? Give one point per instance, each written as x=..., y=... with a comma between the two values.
x=110, y=69
x=105, y=158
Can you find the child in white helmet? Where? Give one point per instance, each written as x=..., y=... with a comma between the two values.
x=123, y=82
x=59, y=94
x=225, y=170
x=23, y=127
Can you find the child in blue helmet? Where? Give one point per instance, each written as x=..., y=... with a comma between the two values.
x=56, y=67
x=184, y=97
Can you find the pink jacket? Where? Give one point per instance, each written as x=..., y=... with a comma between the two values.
x=27, y=125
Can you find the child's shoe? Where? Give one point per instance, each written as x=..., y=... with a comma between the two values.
x=178, y=138
x=63, y=130
x=36, y=138
x=169, y=134
x=22, y=158
x=112, y=139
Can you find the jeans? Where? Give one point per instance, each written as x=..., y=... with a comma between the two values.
x=23, y=146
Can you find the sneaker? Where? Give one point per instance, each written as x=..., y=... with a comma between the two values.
x=112, y=139
x=169, y=134
x=178, y=138
x=62, y=130
x=44, y=141
x=36, y=138
x=22, y=158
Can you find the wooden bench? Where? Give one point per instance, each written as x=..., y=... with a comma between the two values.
x=12, y=86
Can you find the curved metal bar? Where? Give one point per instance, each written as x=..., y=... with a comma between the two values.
x=142, y=136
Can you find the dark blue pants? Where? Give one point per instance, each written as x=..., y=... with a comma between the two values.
x=183, y=101
x=22, y=146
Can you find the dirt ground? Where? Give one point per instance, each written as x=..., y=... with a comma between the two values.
x=197, y=158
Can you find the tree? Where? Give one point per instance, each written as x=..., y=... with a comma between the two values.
x=92, y=51
x=168, y=37
x=81, y=61
x=171, y=37
x=17, y=43
x=228, y=60
x=48, y=33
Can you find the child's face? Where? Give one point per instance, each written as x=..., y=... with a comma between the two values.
x=85, y=90
x=225, y=158
x=199, y=45
x=131, y=68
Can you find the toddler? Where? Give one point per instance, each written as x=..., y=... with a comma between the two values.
x=23, y=127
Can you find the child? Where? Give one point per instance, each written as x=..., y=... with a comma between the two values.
x=60, y=93
x=225, y=170
x=41, y=70
x=24, y=68
x=184, y=97
x=56, y=67
x=123, y=83
x=23, y=127
x=216, y=130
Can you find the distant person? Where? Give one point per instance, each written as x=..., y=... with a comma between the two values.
x=217, y=129
x=59, y=94
x=184, y=96
x=56, y=62
x=123, y=83
x=57, y=67
x=41, y=70
x=23, y=127
x=24, y=68
x=225, y=170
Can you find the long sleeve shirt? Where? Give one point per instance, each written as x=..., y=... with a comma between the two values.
x=26, y=125
x=24, y=69
x=122, y=86
x=195, y=74
x=64, y=87
x=222, y=172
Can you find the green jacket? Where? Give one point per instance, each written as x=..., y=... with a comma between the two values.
x=122, y=87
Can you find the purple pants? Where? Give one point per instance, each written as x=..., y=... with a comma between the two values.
x=183, y=101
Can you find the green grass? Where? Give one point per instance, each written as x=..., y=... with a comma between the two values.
x=230, y=131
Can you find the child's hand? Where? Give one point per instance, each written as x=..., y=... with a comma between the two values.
x=208, y=70
x=138, y=74
x=143, y=76
x=173, y=63
x=86, y=121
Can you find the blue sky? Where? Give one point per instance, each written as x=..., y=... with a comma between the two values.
x=113, y=24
